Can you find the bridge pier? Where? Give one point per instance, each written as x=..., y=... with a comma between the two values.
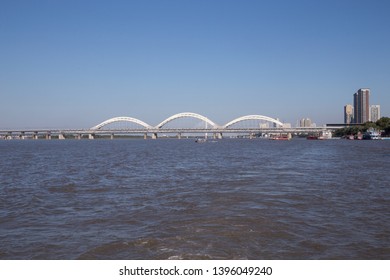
x=112, y=136
x=35, y=136
x=145, y=136
x=154, y=136
x=179, y=136
x=48, y=136
x=217, y=135
x=91, y=136
x=78, y=136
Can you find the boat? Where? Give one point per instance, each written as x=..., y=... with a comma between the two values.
x=200, y=140
x=359, y=136
x=281, y=137
x=372, y=134
x=324, y=136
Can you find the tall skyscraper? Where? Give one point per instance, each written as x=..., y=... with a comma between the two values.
x=361, y=104
x=375, y=113
x=348, y=114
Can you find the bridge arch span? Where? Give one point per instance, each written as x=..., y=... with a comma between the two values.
x=121, y=119
x=186, y=115
x=253, y=117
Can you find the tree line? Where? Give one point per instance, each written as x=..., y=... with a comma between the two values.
x=383, y=125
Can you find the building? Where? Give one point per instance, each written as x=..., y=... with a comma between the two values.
x=348, y=114
x=375, y=113
x=305, y=122
x=264, y=125
x=361, y=104
x=276, y=125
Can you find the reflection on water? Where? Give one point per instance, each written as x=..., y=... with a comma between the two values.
x=175, y=199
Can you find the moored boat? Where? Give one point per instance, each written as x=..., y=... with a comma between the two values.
x=200, y=140
x=281, y=137
x=323, y=136
x=372, y=134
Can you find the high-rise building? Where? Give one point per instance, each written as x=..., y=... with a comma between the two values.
x=361, y=104
x=375, y=113
x=305, y=122
x=348, y=114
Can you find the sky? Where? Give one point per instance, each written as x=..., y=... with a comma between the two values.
x=74, y=64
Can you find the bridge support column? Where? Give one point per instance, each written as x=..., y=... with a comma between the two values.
x=217, y=135
x=35, y=136
x=112, y=136
x=22, y=136
x=179, y=135
x=145, y=136
x=78, y=136
x=154, y=136
x=61, y=136
x=48, y=136
x=91, y=136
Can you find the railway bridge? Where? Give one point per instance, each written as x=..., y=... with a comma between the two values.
x=258, y=124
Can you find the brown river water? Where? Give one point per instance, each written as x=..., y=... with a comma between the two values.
x=177, y=199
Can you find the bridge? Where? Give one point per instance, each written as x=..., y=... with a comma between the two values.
x=259, y=124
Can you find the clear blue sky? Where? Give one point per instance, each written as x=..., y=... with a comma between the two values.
x=75, y=63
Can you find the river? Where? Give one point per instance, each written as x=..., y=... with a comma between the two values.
x=177, y=199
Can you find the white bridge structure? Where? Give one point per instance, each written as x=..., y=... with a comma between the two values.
x=258, y=124
x=187, y=115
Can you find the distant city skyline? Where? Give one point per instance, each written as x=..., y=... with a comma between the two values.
x=73, y=64
x=361, y=111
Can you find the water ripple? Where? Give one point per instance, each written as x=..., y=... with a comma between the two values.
x=171, y=199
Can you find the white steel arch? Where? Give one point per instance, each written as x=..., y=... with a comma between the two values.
x=186, y=115
x=253, y=117
x=122, y=119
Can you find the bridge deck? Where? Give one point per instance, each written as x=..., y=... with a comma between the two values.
x=80, y=132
